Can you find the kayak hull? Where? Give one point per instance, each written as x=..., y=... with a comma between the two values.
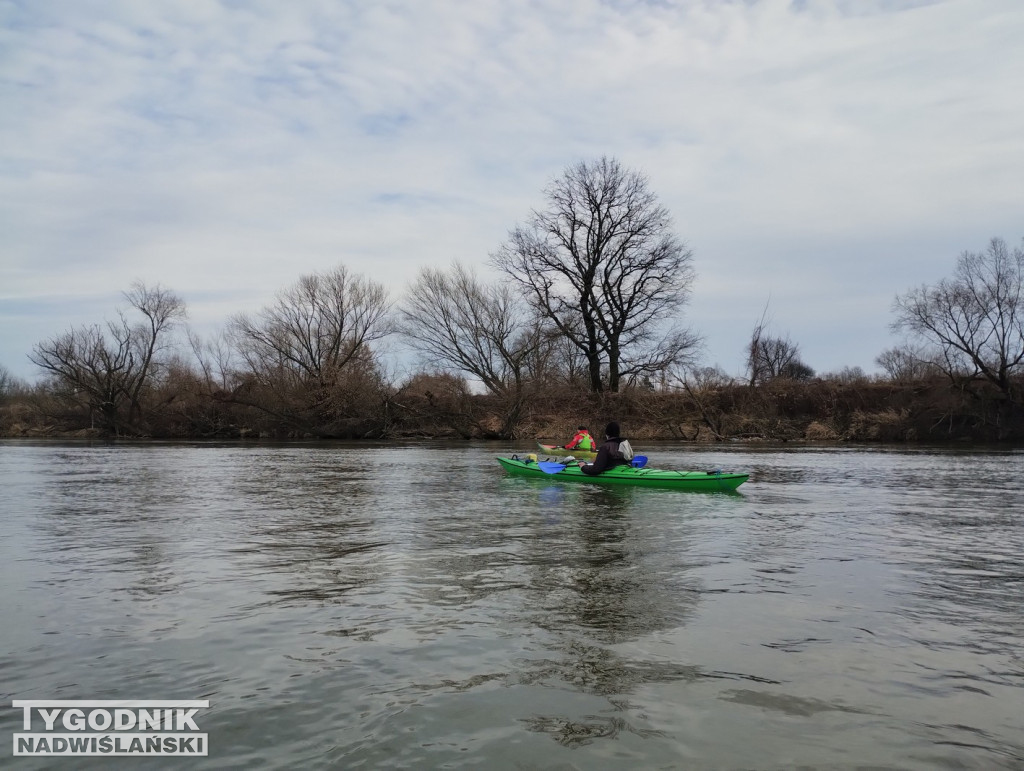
x=554, y=449
x=713, y=481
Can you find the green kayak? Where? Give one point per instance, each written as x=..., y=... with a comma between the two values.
x=626, y=475
x=554, y=449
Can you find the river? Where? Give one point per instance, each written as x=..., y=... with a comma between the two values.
x=412, y=606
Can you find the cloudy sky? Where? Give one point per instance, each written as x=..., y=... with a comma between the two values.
x=819, y=156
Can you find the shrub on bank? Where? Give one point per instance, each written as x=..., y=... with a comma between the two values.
x=441, y=405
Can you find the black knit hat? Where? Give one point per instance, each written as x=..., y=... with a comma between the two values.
x=612, y=430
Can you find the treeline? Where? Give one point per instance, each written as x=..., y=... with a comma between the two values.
x=583, y=326
x=181, y=404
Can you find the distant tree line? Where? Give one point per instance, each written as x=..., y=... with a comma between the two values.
x=587, y=320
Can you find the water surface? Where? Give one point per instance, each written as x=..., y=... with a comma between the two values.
x=411, y=606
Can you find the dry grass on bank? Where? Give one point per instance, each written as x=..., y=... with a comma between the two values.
x=441, y=406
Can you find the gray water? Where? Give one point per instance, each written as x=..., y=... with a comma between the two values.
x=348, y=606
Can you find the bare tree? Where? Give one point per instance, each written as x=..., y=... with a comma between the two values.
x=975, y=319
x=486, y=331
x=602, y=264
x=305, y=355
x=110, y=368
x=907, y=364
x=315, y=328
x=161, y=309
x=457, y=322
x=554, y=359
x=846, y=376
x=702, y=385
x=216, y=360
x=8, y=383
x=708, y=378
x=774, y=357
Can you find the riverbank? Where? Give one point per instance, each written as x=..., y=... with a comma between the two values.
x=440, y=408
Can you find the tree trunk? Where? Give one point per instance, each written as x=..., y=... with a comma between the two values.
x=594, y=368
x=613, y=369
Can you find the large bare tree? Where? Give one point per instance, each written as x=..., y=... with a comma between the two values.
x=108, y=367
x=975, y=319
x=600, y=262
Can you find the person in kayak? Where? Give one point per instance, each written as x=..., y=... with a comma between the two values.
x=608, y=454
x=582, y=441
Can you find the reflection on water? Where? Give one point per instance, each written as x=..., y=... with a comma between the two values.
x=365, y=606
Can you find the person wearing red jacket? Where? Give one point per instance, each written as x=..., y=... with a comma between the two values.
x=582, y=441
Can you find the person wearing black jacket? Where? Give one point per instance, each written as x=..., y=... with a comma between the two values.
x=608, y=454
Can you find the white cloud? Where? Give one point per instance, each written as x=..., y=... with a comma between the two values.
x=225, y=148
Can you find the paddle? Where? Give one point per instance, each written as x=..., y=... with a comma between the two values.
x=550, y=467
